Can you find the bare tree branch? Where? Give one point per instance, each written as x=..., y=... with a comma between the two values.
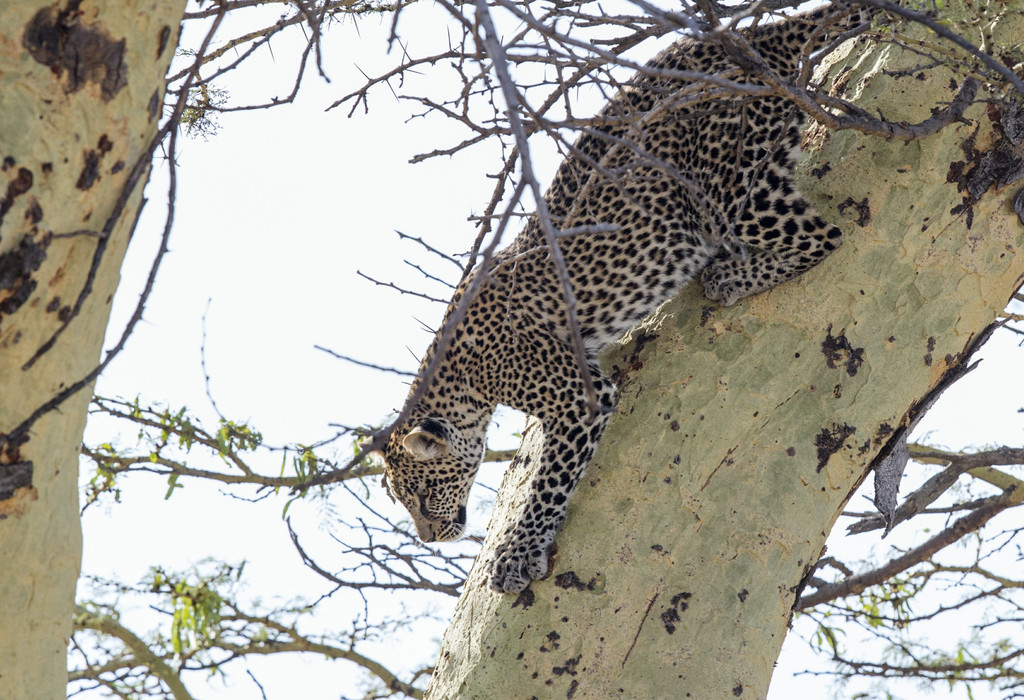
x=972, y=522
x=141, y=653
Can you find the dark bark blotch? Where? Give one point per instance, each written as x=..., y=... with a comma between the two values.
x=570, y=580
x=13, y=477
x=18, y=186
x=838, y=349
x=85, y=53
x=16, y=268
x=862, y=208
x=525, y=600
x=828, y=442
x=671, y=615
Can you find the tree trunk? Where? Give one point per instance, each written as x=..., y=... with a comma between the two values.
x=741, y=432
x=81, y=95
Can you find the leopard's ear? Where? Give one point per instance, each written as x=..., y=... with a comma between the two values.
x=426, y=440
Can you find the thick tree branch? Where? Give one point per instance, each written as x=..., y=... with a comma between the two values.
x=141, y=652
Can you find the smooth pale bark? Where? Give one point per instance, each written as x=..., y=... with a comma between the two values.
x=81, y=93
x=741, y=432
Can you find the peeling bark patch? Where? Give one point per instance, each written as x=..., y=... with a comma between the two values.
x=13, y=477
x=1001, y=166
x=862, y=208
x=670, y=616
x=842, y=81
x=831, y=441
x=16, y=268
x=570, y=580
x=837, y=349
x=21, y=184
x=1011, y=121
x=59, y=39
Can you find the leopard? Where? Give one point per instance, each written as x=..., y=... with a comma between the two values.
x=664, y=189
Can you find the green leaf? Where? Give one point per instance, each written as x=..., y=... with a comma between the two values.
x=173, y=484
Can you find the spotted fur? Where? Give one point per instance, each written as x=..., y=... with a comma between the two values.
x=704, y=189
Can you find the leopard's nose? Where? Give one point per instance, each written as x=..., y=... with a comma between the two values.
x=425, y=531
x=461, y=517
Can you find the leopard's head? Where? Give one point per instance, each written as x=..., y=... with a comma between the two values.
x=430, y=467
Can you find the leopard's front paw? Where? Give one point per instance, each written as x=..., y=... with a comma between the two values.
x=516, y=563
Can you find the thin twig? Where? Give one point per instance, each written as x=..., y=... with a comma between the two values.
x=361, y=363
x=430, y=248
x=403, y=290
x=512, y=101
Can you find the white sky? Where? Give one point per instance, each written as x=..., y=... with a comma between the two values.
x=275, y=215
